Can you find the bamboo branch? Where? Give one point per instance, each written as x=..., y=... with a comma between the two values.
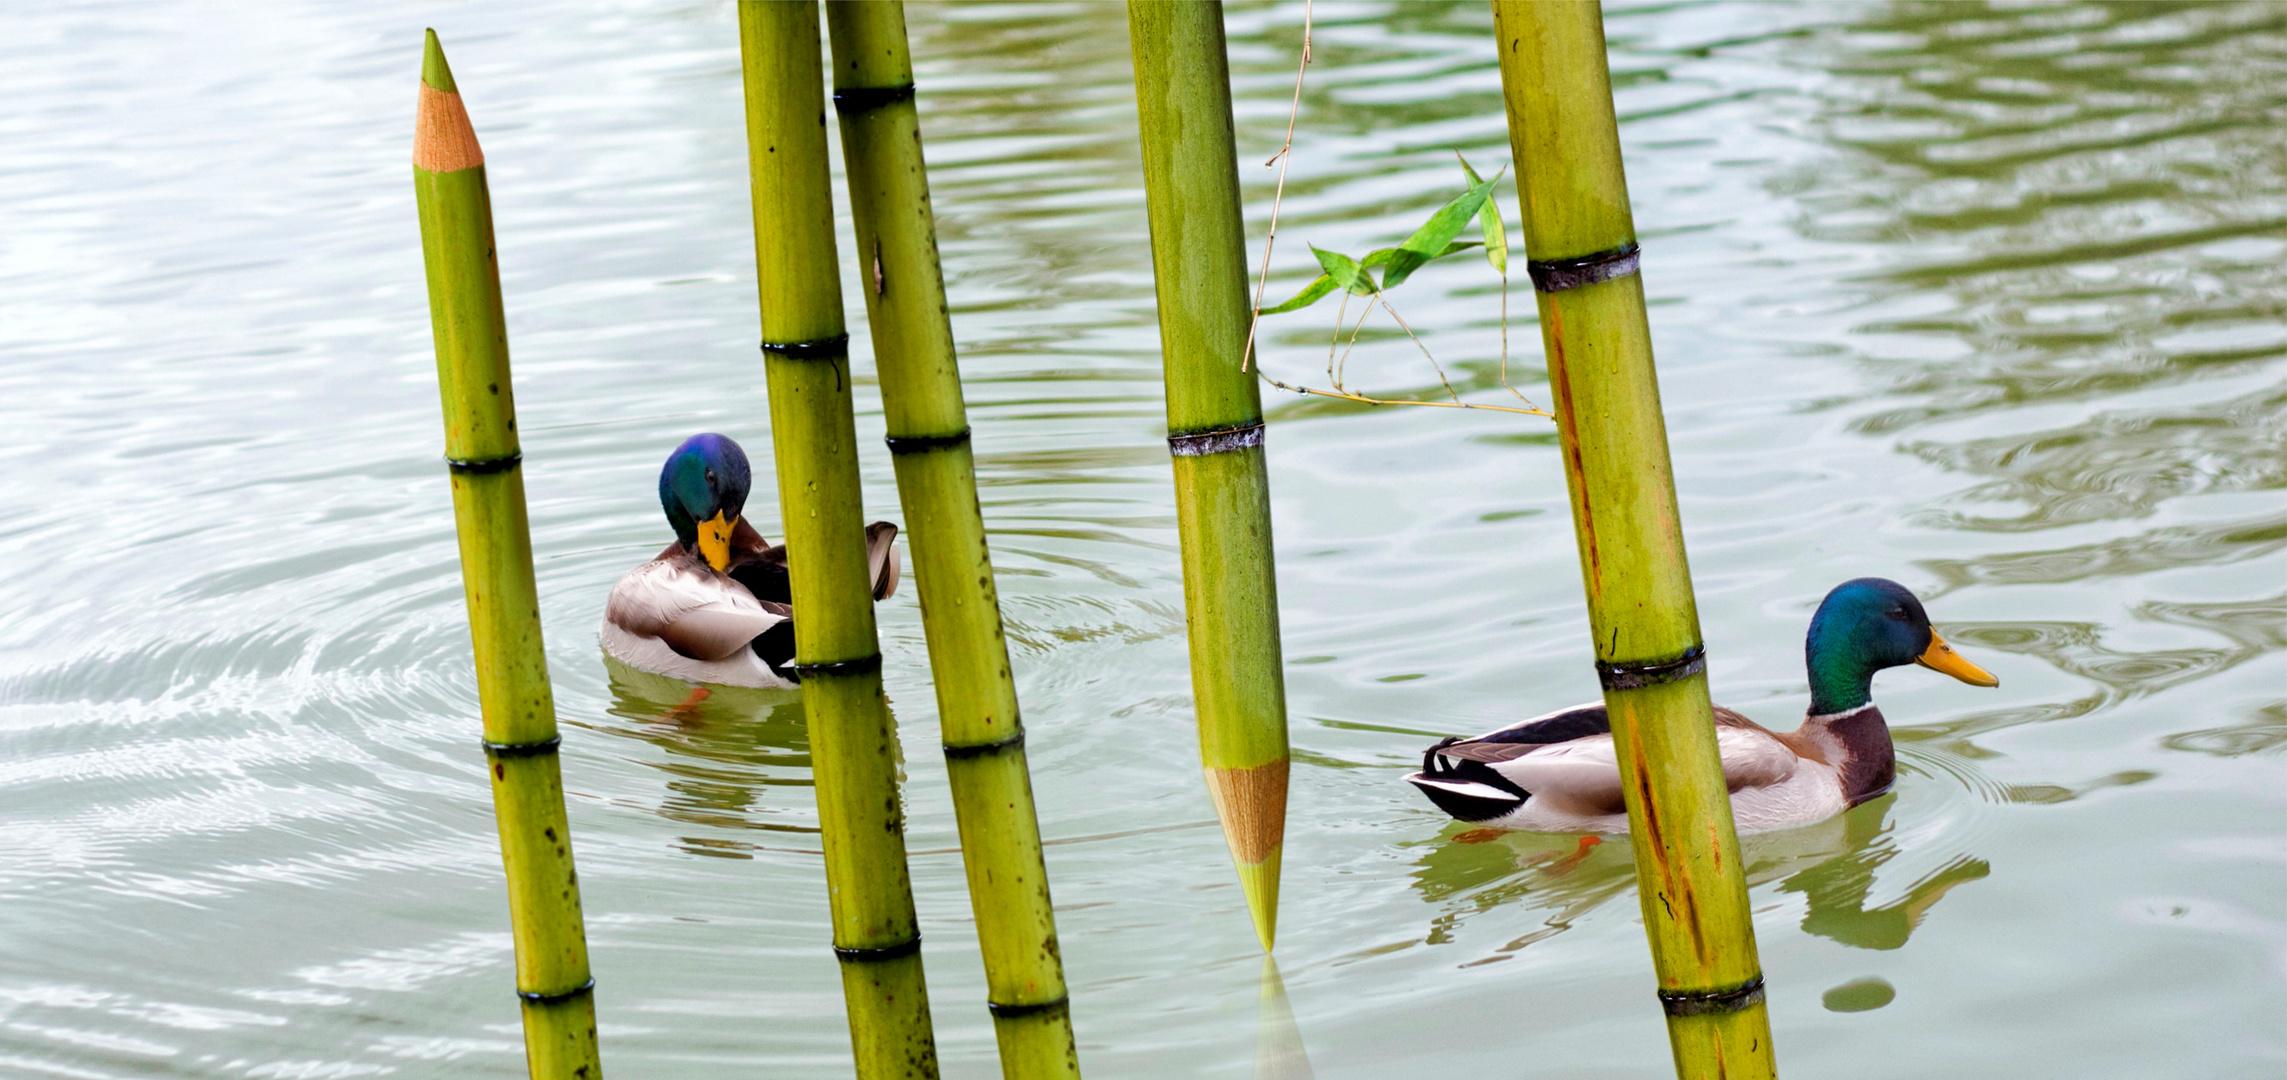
x=1644, y=622
x=853, y=740
x=520, y=737
x=936, y=480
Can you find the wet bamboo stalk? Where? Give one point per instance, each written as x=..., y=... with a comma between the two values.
x=1580, y=237
x=1215, y=431
x=928, y=425
x=481, y=448
x=813, y=437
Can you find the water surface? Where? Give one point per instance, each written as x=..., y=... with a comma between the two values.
x=1987, y=300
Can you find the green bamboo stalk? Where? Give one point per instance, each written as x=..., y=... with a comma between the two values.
x=853, y=742
x=1581, y=240
x=496, y=575
x=1215, y=425
x=936, y=482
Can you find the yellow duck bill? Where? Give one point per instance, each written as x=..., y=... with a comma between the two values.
x=1941, y=657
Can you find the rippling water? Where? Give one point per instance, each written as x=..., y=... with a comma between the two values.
x=1988, y=300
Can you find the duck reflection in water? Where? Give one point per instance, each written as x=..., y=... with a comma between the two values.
x=1831, y=864
x=729, y=752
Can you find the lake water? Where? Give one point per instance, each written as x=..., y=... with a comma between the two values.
x=1986, y=300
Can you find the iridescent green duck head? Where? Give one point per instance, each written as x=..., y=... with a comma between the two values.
x=703, y=488
x=1865, y=625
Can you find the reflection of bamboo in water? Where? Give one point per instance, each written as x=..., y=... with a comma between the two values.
x=814, y=441
x=1279, y=1054
x=496, y=574
x=936, y=481
x=1581, y=240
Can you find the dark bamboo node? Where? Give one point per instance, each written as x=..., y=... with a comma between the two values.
x=976, y=750
x=855, y=666
x=1709, y=1002
x=851, y=101
x=1217, y=441
x=1637, y=676
x=521, y=750
x=1011, y=1012
x=922, y=444
x=484, y=466
x=558, y=998
x=1557, y=275
x=877, y=954
x=826, y=348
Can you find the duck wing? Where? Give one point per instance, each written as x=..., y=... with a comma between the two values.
x=697, y=612
x=1569, y=757
x=761, y=566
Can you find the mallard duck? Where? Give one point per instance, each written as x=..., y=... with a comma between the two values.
x=1561, y=773
x=714, y=606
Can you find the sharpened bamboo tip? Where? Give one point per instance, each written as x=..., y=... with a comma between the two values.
x=1252, y=805
x=443, y=139
x=1260, y=882
x=434, y=73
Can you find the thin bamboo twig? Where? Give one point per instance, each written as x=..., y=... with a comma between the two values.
x=936, y=480
x=1248, y=358
x=1278, y=194
x=520, y=738
x=1214, y=420
x=853, y=739
x=1644, y=622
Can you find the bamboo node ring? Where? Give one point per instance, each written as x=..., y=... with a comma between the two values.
x=1011, y=1012
x=1557, y=275
x=957, y=753
x=827, y=348
x=1218, y=441
x=519, y=750
x=1691, y=662
x=484, y=466
x=853, y=100
x=534, y=997
x=855, y=666
x=1738, y=998
x=905, y=948
x=921, y=444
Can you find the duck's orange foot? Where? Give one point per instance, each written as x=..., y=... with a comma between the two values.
x=1579, y=855
x=689, y=709
x=1478, y=836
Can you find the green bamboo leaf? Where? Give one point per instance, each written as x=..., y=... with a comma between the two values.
x=1345, y=271
x=1309, y=295
x=1437, y=234
x=1489, y=219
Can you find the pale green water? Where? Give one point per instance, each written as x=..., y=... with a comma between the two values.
x=1988, y=301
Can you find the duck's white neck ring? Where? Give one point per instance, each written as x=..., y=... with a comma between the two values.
x=1832, y=716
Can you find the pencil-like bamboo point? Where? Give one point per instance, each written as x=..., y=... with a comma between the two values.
x=1581, y=240
x=1215, y=429
x=960, y=609
x=496, y=574
x=853, y=745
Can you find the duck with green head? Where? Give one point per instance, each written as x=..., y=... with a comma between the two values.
x=1561, y=772
x=714, y=607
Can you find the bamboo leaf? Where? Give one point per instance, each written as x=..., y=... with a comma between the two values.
x=1345, y=271
x=1309, y=295
x=1437, y=234
x=1489, y=219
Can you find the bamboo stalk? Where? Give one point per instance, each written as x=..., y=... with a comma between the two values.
x=481, y=446
x=936, y=482
x=853, y=742
x=1215, y=427
x=1581, y=240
